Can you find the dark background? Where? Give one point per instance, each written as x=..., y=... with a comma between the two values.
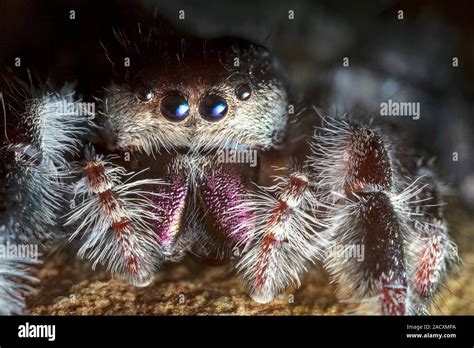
x=405, y=60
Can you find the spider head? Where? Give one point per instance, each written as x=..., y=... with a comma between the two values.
x=202, y=95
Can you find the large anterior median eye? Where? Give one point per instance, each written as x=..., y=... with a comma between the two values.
x=213, y=107
x=175, y=107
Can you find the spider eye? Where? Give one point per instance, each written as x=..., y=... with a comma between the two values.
x=243, y=92
x=213, y=107
x=145, y=94
x=175, y=107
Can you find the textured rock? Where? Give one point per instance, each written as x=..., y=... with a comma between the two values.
x=183, y=289
x=70, y=287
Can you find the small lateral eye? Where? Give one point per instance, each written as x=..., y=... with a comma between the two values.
x=175, y=107
x=145, y=94
x=213, y=107
x=243, y=92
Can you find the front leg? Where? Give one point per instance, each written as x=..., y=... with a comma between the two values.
x=285, y=235
x=113, y=215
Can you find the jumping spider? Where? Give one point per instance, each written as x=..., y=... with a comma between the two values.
x=141, y=183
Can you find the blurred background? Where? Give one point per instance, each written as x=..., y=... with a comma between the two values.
x=403, y=56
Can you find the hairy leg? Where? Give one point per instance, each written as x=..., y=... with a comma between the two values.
x=436, y=252
x=373, y=211
x=285, y=236
x=112, y=214
x=37, y=137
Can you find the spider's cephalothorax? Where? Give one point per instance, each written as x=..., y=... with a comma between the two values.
x=173, y=167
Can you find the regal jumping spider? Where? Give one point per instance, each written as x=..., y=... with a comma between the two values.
x=141, y=184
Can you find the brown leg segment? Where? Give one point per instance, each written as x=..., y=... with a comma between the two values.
x=357, y=169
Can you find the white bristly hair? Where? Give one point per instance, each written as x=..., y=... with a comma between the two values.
x=35, y=190
x=331, y=158
x=285, y=237
x=14, y=274
x=112, y=220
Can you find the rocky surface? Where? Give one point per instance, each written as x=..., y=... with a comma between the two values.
x=183, y=289
x=70, y=287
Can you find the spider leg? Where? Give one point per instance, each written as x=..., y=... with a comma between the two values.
x=113, y=218
x=377, y=205
x=14, y=230
x=37, y=137
x=284, y=237
x=435, y=251
x=358, y=176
